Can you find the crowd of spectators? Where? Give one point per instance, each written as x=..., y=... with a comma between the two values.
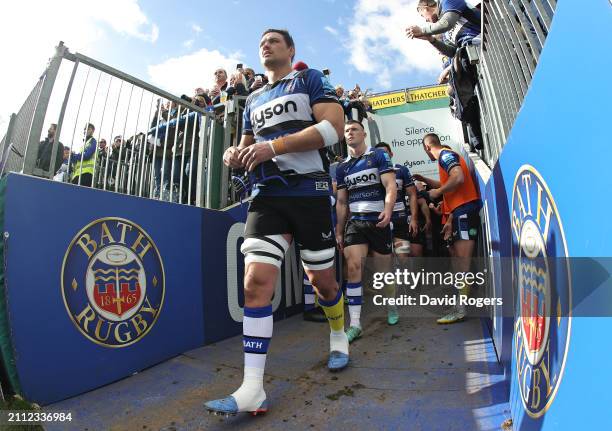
x=170, y=142
x=354, y=99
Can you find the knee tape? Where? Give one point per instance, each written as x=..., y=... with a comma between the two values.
x=318, y=260
x=265, y=249
x=402, y=247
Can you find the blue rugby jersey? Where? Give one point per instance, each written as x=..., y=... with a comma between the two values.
x=403, y=179
x=361, y=177
x=283, y=108
x=468, y=25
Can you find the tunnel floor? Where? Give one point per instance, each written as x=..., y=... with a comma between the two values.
x=416, y=375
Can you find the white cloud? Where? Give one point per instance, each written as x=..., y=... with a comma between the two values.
x=196, y=29
x=377, y=43
x=183, y=74
x=34, y=28
x=188, y=43
x=331, y=30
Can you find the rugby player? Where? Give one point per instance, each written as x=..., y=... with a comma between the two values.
x=460, y=196
x=286, y=125
x=403, y=230
x=366, y=185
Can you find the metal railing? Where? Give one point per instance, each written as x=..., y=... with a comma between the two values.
x=159, y=146
x=513, y=34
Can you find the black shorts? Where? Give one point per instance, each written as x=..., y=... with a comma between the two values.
x=466, y=225
x=401, y=229
x=366, y=232
x=420, y=237
x=307, y=218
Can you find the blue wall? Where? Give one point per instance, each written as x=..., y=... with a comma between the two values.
x=58, y=354
x=562, y=131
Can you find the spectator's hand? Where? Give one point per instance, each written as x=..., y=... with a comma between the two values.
x=255, y=154
x=385, y=218
x=434, y=194
x=443, y=78
x=215, y=92
x=429, y=38
x=231, y=159
x=414, y=31
x=447, y=231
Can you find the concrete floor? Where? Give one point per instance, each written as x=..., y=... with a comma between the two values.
x=416, y=375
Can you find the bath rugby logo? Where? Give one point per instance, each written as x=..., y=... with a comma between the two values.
x=542, y=280
x=113, y=282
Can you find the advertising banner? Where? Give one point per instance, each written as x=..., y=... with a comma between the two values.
x=429, y=93
x=388, y=100
x=404, y=131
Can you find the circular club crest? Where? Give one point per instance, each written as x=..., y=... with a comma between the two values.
x=113, y=282
x=542, y=281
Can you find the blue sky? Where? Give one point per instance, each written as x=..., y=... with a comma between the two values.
x=235, y=26
x=176, y=45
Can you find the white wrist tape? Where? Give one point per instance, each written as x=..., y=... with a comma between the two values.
x=327, y=132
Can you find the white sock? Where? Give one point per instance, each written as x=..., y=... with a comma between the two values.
x=250, y=394
x=338, y=341
x=354, y=293
x=355, y=313
x=257, y=326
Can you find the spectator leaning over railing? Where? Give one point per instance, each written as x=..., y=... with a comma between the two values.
x=43, y=160
x=460, y=24
x=439, y=24
x=83, y=162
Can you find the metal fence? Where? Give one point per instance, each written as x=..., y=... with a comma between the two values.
x=513, y=34
x=13, y=146
x=158, y=145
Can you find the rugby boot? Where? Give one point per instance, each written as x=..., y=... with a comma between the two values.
x=353, y=333
x=392, y=316
x=229, y=407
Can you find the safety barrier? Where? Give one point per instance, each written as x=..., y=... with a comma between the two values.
x=513, y=34
x=159, y=146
